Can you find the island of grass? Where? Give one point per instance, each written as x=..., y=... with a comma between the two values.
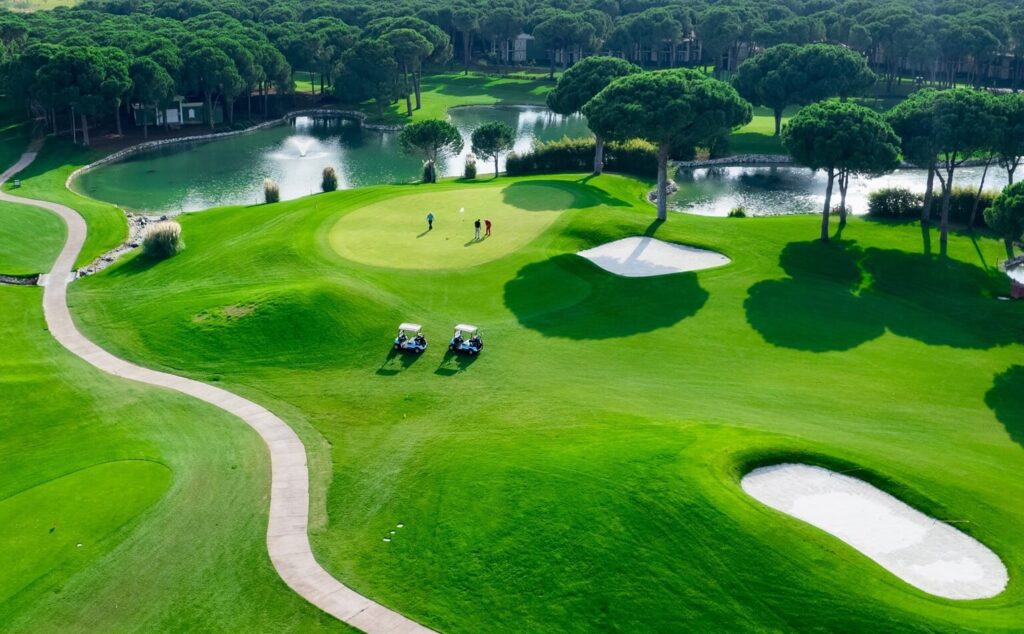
x=584, y=472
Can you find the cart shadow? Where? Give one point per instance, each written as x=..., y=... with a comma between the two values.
x=453, y=363
x=396, y=361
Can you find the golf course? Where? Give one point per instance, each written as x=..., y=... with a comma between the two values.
x=546, y=317
x=595, y=446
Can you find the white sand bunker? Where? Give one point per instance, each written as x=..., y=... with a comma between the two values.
x=647, y=257
x=922, y=551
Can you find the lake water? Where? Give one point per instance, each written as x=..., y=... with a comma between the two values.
x=769, y=191
x=230, y=171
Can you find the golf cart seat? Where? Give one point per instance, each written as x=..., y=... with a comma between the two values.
x=466, y=340
x=410, y=338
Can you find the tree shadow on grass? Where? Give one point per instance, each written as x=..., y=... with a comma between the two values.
x=817, y=308
x=1006, y=400
x=839, y=296
x=569, y=297
x=940, y=301
x=551, y=195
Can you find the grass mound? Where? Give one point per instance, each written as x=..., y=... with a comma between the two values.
x=583, y=472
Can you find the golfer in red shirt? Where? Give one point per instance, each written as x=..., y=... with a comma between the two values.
x=487, y=227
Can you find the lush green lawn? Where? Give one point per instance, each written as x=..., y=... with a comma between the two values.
x=125, y=508
x=30, y=239
x=583, y=472
x=44, y=179
x=443, y=91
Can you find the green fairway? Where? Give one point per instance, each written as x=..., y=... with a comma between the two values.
x=29, y=239
x=446, y=90
x=583, y=472
x=379, y=232
x=44, y=179
x=125, y=508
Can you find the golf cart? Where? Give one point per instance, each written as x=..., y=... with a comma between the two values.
x=410, y=339
x=466, y=340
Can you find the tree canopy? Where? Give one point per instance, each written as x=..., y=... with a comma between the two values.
x=841, y=139
x=1006, y=215
x=431, y=139
x=581, y=83
x=491, y=140
x=676, y=109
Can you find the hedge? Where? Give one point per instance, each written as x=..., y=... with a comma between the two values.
x=636, y=157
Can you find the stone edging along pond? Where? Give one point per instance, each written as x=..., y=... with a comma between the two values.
x=149, y=145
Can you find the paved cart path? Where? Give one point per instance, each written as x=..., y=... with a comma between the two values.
x=287, y=532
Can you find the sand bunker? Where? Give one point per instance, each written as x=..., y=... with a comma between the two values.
x=646, y=257
x=923, y=551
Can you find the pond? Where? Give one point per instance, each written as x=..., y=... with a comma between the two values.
x=230, y=171
x=769, y=191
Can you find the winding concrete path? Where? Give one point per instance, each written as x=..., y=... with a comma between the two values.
x=287, y=532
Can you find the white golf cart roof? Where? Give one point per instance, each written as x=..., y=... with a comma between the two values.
x=466, y=328
x=410, y=326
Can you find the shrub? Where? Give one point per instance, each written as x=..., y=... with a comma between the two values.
x=895, y=202
x=429, y=175
x=637, y=157
x=738, y=212
x=961, y=200
x=329, y=182
x=470, y=170
x=271, y=192
x=163, y=239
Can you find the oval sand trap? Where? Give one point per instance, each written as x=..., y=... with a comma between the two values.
x=924, y=552
x=647, y=257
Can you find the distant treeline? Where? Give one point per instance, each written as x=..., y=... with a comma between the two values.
x=99, y=58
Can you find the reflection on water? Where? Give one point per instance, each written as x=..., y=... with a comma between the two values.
x=768, y=191
x=230, y=171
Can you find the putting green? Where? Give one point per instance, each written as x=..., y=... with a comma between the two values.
x=393, y=232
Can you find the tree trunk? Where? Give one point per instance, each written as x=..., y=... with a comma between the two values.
x=598, y=153
x=662, y=181
x=551, y=70
x=209, y=108
x=230, y=105
x=977, y=197
x=1009, y=248
x=321, y=83
x=844, y=183
x=117, y=119
x=495, y=165
x=947, y=188
x=74, y=130
x=416, y=87
x=248, y=105
x=85, y=130
x=778, y=121
x=266, y=99
x=467, y=44
x=405, y=89
x=312, y=84
x=926, y=208
x=828, y=205
x=145, y=125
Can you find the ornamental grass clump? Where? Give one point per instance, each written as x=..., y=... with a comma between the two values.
x=162, y=240
x=329, y=182
x=271, y=192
